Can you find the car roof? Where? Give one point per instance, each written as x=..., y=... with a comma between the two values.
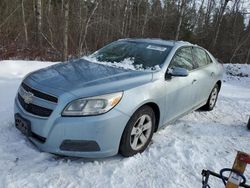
x=159, y=41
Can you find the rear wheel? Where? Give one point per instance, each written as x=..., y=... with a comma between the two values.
x=138, y=132
x=212, y=99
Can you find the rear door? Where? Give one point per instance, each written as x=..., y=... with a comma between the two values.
x=180, y=90
x=205, y=74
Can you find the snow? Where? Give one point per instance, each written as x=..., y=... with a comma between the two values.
x=127, y=63
x=12, y=69
x=240, y=70
x=176, y=157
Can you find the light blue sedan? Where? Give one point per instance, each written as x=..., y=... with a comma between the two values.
x=99, y=109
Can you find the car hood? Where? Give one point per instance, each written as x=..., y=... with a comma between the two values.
x=80, y=74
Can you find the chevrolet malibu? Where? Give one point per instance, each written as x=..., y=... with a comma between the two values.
x=115, y=99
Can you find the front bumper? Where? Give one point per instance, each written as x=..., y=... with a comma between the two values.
x=102, y=131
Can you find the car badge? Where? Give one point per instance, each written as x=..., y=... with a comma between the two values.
x=27, y=97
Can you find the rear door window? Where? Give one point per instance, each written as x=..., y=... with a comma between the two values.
x=200, y=57
x=183, y=58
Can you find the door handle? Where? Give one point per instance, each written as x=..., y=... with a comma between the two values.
x=194, y=80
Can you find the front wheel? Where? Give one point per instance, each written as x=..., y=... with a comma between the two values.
x=212, y=99
x=138, y=132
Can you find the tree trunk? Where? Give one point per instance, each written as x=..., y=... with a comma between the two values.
x=79, y=50
x=145, y=21
x=38, y=13
x=128, y=33
x=208, y=12
x=180, y=19
x=24, y=24
x=87, y=27
x=248, y=56
x=198, y=21
x=49, y=22
x=217, y=31
x=66, y=30
x=62, y=7
x=49, y=7
x=124, y=18
x=108, y=20
x=240, y=44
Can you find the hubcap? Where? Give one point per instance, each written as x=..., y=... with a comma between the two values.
x=213, y=97
x=141, y=132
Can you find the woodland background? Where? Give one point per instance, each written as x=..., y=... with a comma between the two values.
x=58, y=30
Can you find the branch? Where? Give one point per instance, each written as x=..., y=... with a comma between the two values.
x=9, y=16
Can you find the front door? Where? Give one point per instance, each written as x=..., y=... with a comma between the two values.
x=180, y=90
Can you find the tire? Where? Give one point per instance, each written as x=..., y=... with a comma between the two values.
x=212, y=99
x=138, y=132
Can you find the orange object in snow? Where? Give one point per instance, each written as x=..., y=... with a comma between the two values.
x=240, y=163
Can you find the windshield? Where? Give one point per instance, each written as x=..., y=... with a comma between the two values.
x=140, y=55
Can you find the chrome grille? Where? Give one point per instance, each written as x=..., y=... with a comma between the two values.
x=26, y=96
x=39, y=94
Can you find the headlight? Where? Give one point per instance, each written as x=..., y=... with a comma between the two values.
x=92, y=105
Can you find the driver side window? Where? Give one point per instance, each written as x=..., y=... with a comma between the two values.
x=183, y=58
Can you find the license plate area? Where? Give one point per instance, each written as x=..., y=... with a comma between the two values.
x=23, y=125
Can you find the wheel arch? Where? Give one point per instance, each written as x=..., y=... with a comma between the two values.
x=156, y=110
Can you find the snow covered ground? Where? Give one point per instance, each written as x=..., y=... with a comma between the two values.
x=175, y=158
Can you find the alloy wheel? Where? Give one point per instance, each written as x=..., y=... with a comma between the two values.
x=213, y=97
x=141, y=132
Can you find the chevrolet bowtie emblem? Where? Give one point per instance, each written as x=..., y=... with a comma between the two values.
x=27, y=96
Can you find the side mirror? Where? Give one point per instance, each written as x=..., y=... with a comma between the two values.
x=177, y=71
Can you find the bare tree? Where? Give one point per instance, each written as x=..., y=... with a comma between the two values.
x=125, y=17
x=87, y=27
x=248, y=56
x=8, y=17
x=220, y=17
x=210, y=5
x=198, y=20
x=66, y=30
x=38, y=13
x=49, y=22
x=182, y=9
x=24, y=24
x=239, y=45
x=95, y=23
x=145, y=21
